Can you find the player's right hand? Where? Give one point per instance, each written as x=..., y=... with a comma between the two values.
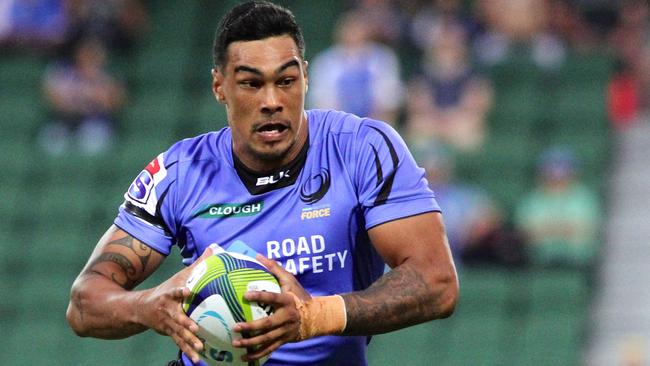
x=161, y=309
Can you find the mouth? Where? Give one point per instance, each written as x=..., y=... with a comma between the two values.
x=271, y=129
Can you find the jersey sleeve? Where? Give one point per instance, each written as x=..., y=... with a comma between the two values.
x=147, y=211
x=390, y=183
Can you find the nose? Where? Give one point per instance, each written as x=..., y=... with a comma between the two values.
x=271, y=103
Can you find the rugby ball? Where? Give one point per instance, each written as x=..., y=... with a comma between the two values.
x=217, y=302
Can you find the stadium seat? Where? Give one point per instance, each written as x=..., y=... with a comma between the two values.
x=428, y=344
x=211, y=115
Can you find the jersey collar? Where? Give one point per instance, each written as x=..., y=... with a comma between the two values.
x=257, y=183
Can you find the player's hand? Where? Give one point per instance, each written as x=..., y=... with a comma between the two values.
x=283, y=325
x=287, y=281
x=161, y=309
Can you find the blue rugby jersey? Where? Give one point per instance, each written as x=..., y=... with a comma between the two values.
x=311, y=216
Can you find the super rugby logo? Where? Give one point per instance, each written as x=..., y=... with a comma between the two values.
x=142, y=187
x=322, y=180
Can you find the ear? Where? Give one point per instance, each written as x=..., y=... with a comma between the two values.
x=217, y=86
x=305, y=75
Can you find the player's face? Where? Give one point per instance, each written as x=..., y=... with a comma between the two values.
x=263, y=86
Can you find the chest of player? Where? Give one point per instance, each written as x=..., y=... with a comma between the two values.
x=308, y=226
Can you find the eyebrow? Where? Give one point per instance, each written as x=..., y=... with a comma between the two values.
x=244, y=68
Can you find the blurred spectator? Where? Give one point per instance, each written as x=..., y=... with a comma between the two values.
x=629, y=88
x=561, y=216
x=437, y=14
x=384, y=19
x=356, y=74
x=448, y=102
x=623, y=96
x=117, y=23
x=568, y=20
x=516, y=26
x=474, y=223
x=83, y=99
x=34, y=25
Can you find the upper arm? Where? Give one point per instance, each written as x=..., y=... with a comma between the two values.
x=123, y=259
x=420, y=239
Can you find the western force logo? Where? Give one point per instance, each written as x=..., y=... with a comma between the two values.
x=223, y=210
x=309, y=213
x=316, y=187
x=143, y=187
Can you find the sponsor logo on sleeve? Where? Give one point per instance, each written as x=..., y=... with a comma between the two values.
x=142, y=192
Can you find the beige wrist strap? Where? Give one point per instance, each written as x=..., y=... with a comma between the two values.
x=323, y=315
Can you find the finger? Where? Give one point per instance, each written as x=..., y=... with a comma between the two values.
x=183, y=336
x=192, y=340
x=267, y=297
x=262, y=339
x=180, y=293
x=272, y=265
x=187, y=348
x=285, y=278
x=259, y=325
x=185, y=321
x=262, y=351
x=267, y=262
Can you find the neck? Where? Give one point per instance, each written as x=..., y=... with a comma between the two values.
x=261, y=165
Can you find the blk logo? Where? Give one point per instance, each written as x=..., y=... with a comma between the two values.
x=272, y=179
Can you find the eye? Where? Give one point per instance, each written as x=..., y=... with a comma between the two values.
x=250, y=84
x=286, y=82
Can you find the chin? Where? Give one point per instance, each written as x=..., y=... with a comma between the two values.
x=274, y=154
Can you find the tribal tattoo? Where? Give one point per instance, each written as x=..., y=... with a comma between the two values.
x=139, y=248
x=127, y=277
x=394, y=300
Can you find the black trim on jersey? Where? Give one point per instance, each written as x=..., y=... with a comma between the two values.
x=380, y=173
x=171, y=165
x=159, y=204
x=142, y=214
x=384, y=192
x=279, y=178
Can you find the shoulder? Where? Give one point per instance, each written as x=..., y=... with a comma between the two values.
x=333, y=122
x=357, y=139
x=202, y=147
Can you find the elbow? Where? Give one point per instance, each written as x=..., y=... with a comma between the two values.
x=448, y=304
x=447, y=295
x=74, y=314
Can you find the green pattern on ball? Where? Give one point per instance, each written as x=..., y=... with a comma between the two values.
x=232, y=286
x=240, y=279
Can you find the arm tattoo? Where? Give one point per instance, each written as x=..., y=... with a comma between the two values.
x=399, y=298
x=139, y=248
x=126, y=277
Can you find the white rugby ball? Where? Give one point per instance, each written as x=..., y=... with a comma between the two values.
x=217, y=302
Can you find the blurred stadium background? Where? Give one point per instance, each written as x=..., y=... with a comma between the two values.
x=54, y=208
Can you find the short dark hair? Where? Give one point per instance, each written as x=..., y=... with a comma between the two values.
x=254, y=20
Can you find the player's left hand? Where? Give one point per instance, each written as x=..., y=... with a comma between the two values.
x=283, y=325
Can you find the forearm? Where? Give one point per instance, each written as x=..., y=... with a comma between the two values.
x=102, y=309
x=402, y=297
